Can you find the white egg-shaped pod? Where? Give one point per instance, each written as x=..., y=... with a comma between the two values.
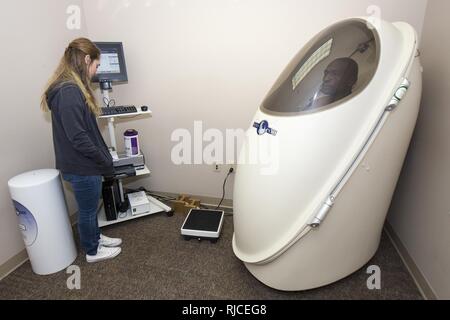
x=322, y=158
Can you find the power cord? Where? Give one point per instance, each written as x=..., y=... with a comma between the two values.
x=123, y=215
x=223, y=189
x=168, y=199
x=109, y=102
x=157, y=196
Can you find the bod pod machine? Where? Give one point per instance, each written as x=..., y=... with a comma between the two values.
x=320, y=164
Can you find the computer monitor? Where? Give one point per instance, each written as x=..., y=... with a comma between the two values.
x=112, y=63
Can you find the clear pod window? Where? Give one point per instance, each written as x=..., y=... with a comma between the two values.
x=338, y=66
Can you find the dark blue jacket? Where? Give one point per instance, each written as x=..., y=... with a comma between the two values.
x=79, y=145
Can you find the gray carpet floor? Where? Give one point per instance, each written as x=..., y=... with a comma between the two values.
x=156, y=263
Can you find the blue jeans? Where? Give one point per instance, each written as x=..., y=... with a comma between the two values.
x=87, y=191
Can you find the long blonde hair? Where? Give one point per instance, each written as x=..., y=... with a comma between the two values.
x=73, y=69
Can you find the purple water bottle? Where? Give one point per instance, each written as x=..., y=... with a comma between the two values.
x=131, y=137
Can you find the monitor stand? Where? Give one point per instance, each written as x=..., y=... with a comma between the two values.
x=105, y=86
x=123, y=207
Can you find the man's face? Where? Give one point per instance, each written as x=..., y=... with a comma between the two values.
x=333, y=77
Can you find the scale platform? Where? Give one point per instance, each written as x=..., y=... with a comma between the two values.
x=203, y=224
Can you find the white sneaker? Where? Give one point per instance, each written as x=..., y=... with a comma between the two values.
x=109, y=242
x=103, y=253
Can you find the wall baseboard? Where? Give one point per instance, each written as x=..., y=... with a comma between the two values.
x=424, y=287
x=12, y=264
x=211, y=202
x=19, y=259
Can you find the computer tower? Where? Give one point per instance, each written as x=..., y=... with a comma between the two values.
x=111, y=199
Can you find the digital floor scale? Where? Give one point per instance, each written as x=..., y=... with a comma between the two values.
x=203, y=225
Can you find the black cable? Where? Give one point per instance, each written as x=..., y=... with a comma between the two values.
x=224, y=184
x=109, y=103
x=123, y=215
x=165, y=198
x=157, y=196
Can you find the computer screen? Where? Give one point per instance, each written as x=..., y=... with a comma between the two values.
x=112, y=63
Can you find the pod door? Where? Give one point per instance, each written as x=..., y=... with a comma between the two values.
x=337, y=67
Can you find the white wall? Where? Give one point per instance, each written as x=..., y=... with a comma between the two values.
x=211, y=60
x=420, y=212
x=33, y=37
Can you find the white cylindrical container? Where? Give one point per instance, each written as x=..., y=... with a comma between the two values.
x=131, y=139
x=43, y=219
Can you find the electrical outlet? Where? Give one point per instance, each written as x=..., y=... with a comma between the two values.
x=228, y=167
x=223, y=168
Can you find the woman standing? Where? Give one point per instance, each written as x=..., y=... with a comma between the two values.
x=80, y=151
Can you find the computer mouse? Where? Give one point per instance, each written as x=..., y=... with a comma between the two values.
x=144, y=108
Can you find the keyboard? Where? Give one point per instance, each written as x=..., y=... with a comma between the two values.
x=118, y=110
